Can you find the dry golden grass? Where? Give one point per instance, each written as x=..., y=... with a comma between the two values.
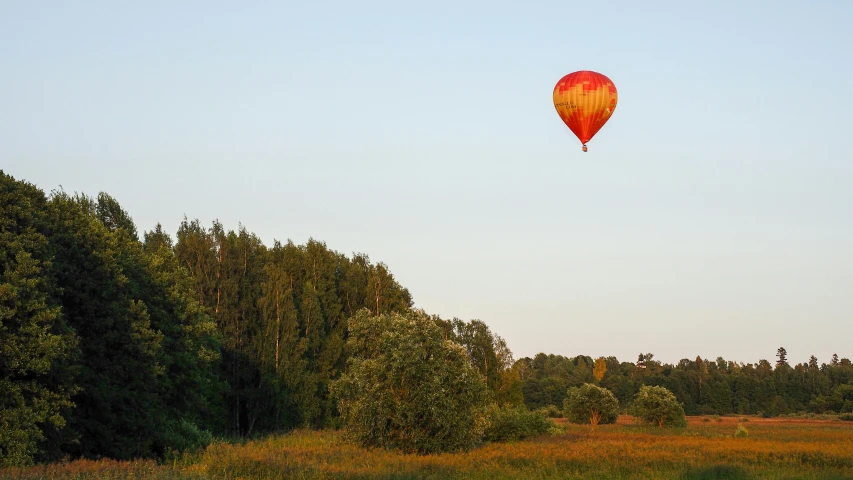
x=774, y=449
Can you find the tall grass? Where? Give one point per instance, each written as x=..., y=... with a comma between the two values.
x=774, y=449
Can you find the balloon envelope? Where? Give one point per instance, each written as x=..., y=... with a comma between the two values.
x=585, y=100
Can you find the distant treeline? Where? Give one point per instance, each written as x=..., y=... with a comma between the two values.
x=703, y=386
x=121, y=346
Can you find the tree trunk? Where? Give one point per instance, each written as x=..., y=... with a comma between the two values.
x=277, y=328
x=594, y=416
x=378, y=286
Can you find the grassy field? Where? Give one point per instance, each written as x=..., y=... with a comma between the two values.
x=708, y=448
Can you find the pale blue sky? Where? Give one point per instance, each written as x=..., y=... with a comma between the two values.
x=711, y=215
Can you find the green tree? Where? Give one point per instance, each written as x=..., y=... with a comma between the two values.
x=384, y=294
x=281, y=313
x=408, y=388
x=34, y=341
x=281, y=348
x=590, y=404
x=119, y=410
x=190, y=356
x=147, y=352
x=489, y=354
x=657, y=405
x=781, y=357
x=113, y=216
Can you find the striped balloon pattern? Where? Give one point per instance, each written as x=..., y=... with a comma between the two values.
x=585, y=101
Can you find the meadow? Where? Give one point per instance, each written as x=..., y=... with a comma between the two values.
x=773, y=448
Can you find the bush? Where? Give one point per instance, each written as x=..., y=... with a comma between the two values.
x=186, y=436
x=551, y=411
x=741, y=431
x=591, y=404
x=407, y=388
x=657, y=405
x=515, y=423
x=848, y=417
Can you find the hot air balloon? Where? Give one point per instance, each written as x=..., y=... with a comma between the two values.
x=585, y=100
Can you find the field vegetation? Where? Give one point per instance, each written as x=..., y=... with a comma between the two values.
x=778, y=448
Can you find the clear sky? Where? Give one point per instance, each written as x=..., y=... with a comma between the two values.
x=712, y=215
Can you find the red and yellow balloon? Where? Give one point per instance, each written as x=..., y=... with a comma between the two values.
x=585, y=100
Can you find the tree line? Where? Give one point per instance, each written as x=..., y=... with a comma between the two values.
x=117, y=346
x=703, y=386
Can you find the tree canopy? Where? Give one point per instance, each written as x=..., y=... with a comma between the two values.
x=590, y=404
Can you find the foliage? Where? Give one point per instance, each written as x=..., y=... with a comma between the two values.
x=185, y=436
x=281, y=312
x=657, y=405
x=703, y=386
x=591, y=404
x=35, y=342
x=551, y=411
x=489, y=354
x=546, y=378
x=120, y=347
x=509, y=423
x=147, y=350
x=407, y=388
x=600, y=368
x=741, y=431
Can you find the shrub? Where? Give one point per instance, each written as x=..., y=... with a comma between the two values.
x=591, y=404
x=848, y=417
x=515, y=423
x=551, y=411
x=406, y=387
x=186, y=436
x=657, y=405
x=741, y=431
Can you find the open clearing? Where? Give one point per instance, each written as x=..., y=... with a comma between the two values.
x=775, y=448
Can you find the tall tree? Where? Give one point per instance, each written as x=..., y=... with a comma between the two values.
x=600, y=368
x=118, y=410
x=191, y=389
x=35, y=343
x=781, y=357
x=281, y=348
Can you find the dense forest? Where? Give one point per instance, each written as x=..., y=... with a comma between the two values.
x=703, y=386
x=116, y=344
